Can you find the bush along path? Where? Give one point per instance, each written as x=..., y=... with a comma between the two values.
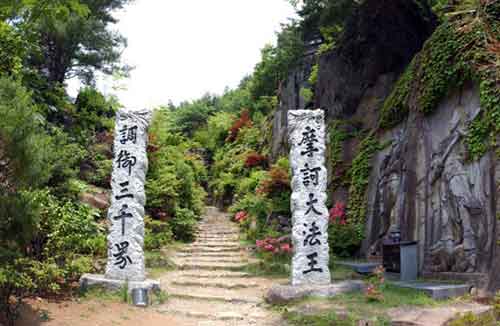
x=210, y=286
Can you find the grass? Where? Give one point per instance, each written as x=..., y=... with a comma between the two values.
x=101, y=294
x=327, y=319
x=349, y=308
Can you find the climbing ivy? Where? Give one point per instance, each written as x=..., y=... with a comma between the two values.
x=359, y=174
x=461, y=49
x=337, y=135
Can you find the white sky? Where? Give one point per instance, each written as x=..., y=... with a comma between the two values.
x=184, y=48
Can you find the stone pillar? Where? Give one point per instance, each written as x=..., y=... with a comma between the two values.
x=309, y=212
x=126, y=213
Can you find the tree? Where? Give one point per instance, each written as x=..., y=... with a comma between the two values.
x=324, y=14
x=69, y=37
x=277, y=61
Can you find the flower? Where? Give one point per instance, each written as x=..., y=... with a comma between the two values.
x=240, y=216
x=338, y=214
x=285, y=247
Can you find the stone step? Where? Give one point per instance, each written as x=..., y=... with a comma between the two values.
x=217, y=240
x=216, y=274
x=213, y=245
x=220, y=311
x=210, y=266
x=218, y=236
x=230, y=284
x=214, y=294
x=206, y=250
x=215, y=260
x=195, y=255
x=216, y=233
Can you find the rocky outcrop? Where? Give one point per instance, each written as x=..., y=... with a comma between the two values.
x=378, y=42
x=423, y=184
x=290, y=99
x=355, y=78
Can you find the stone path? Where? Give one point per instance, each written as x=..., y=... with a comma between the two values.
x=209, y=286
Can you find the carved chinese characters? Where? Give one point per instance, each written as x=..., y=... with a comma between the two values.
x=126, y=213
x=309, y=212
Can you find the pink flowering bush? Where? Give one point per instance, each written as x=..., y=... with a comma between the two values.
x=337, y=213
x=240, y=216
x=275, y=246
x=342, y=235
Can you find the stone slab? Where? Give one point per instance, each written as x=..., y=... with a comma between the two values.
x=281, y=294
x=307, y=139
x=437, y=291
x=364, y=268
x=126, y=213
x=98, y=280
x=435, y=316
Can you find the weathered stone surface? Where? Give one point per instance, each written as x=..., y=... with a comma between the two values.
x=438, y=316
x=95, y=280
x=99, y=200
x=309, y=212
x=437, y=291
x=424, y=186
x=126, y=213
x=285, y=293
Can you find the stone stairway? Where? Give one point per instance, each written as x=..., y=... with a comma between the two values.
x=209, y=286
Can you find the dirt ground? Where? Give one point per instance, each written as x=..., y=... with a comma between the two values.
x=91, y=313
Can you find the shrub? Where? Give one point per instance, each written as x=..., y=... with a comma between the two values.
x=254, y=159
x=243, y=121
x=240, y=216
x=93, y=111
x=67, y=229
x=278, y=181
x=276, y=246
x=183, y=224
x=157, y=234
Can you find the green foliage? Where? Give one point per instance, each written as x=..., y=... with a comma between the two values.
x=359, y=174
x=306, y=94
x=325, y=319
x=215, y=133
x=12, y=49
x=325, y=16
x=396, y=106
x=190, y=116
x=459, y=50
x=23, y=143
x=183, y=224
x=70, y=37
x=313, y=78
x=258, y=208
x=344, y=240
x=158, y=234
x=66, y=229
x=173, y=186
x=338, y=135
x=276, y=62
x=93, y=112
x=471, y=319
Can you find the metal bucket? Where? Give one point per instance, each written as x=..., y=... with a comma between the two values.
x=140, y=297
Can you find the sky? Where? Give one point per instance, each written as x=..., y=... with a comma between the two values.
x=182, y=49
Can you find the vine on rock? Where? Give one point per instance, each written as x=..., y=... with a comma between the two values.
x=465, y=47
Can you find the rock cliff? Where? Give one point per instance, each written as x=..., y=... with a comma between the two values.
x=421, y=181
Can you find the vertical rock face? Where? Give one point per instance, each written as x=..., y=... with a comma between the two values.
x=290, y=99
x=380, y=39
x=126, y=213
x=424, y=186
x=309, y=212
